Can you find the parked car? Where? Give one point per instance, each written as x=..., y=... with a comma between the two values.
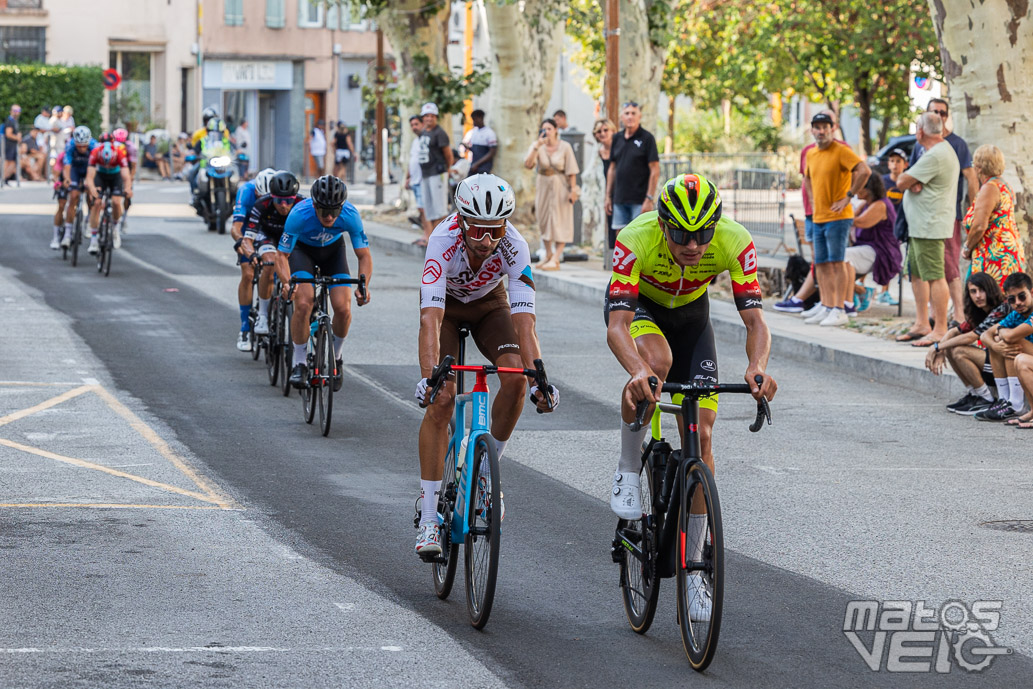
x=879, y=161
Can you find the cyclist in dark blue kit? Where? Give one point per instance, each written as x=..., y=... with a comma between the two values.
x=314, y=236
x=77, y=160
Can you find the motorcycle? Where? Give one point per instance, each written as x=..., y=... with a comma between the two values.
x=216, y=188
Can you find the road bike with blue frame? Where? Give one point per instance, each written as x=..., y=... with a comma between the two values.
x=662, y=544
x=471, y=487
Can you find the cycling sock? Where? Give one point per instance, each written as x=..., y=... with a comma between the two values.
x=263, y=306
x=338, y=346
x=1003, y=388
x=697, y=531
x=245, y=311
x=57, y=232
x=300, y=354
x=982, y=391
x=429, y=509
x=631, y=449
x=1018, y=397
x=500, y=446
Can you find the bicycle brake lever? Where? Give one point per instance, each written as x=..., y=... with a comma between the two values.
x=437, y=379
x=641, y=407
x=542, y=381
x=362, y=286
x=763, y=412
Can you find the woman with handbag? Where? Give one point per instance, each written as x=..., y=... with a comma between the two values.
x=556, y=191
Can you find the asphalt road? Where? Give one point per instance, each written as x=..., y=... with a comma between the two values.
x=858, y=491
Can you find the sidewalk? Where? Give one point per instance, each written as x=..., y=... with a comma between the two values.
x=847, y=350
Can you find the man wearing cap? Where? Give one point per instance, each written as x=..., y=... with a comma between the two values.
x=435, y=160
x=833, y=176
x=11, y=141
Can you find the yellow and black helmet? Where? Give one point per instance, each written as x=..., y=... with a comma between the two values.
x=690, y=203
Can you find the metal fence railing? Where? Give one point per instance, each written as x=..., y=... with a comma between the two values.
x=752, y=187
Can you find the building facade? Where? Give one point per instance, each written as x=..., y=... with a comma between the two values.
x=283, y=65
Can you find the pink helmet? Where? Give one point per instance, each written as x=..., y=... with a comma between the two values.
x=120, y=135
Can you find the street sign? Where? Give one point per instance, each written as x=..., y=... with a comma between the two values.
x=111, y=79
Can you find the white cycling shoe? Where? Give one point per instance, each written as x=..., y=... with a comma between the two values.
x=244, y=342
x=625, y=497
x=700, y=603
x=262, y=325
x=94, y=245
x=428, y=540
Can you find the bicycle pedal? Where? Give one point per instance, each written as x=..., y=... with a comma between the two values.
x=432, y=558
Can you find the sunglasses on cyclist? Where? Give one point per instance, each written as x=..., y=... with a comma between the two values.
x=283, y=199
x=1016, y=298
x=328, y=211
x=477, y=232
x=683, y=237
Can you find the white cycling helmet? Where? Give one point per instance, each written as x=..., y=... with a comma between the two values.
x=82, y=134
x=485, y=197
x=262, y=181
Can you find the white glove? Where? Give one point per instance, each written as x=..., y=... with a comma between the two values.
x=421, y=390
x=553, y=392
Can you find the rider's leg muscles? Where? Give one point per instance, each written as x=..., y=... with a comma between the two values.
x=433, y=445
x=340, y=300
x=653, y=348
x=247, y=274
x=116, y=208
x=509, y=402
x=303, y=298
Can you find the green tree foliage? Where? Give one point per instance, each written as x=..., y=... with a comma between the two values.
x=33, y=86
x=449, y=90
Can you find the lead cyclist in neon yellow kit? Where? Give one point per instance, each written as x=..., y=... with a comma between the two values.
x=658, y=312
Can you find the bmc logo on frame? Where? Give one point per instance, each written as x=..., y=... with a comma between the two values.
x=909, y=636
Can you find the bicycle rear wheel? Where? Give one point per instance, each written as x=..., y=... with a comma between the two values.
x=325, y=366
x=482, y=542
x=444, y=573
x=287, y=353
x=640, y=585
x=700, y=582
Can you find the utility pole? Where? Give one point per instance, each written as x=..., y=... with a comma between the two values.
x=468, y=64
x=379, y=140
x=613, y=62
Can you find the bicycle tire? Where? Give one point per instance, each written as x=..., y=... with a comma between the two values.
x=77, y=238
x=256, y=339
x=287, y=353
x=482, y=542
x=640, y=584
x=444, y=573
x=272, y=347
x=325, y=365
x=108, y=250
x=700, y=638
x=308, y=396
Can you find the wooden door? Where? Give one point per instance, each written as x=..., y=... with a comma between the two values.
x=314, y=111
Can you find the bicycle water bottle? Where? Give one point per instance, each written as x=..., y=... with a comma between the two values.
x=313, y=327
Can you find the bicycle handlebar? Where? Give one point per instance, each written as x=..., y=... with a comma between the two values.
x=360, y=282
x=697, y=389
x=440, y=374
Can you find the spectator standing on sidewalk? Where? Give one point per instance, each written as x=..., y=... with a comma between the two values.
x=344, y=150
x=317, y=147
x=897, y=163
x=602, y=132
x=12, y=140
x=992, y=240
x=835, y=174
x=435, y=160
x=483, y=143
x=967, y=177
x=634, y=170
x=930, y=188
x=556, y=191
x=960, y=346
x=413, y=175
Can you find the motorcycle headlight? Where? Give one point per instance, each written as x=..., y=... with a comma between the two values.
x=220, y=161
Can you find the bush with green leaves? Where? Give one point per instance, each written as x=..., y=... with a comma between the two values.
x=33, y=86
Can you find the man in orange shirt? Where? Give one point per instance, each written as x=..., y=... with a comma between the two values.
x=834, y=176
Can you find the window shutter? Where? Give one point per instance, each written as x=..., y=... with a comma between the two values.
x=275, y=14
x=234, y=12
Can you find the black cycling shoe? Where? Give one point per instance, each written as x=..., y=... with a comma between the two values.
x=299, y=376
x=338, y=376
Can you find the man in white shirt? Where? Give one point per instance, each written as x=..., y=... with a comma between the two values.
x=317, y=146
x=414, y=175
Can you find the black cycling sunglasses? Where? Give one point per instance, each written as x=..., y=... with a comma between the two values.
x=283, y=199
x=327, y=211
x=683, y=237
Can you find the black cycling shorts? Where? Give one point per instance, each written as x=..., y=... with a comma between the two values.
x=332, y=260
x=105, y=181
x=689, y=334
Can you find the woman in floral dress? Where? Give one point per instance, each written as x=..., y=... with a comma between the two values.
x=992, y=241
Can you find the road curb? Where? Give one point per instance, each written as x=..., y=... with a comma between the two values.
x=728, y=326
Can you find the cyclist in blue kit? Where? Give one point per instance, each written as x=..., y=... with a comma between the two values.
x=314, y=236
x=246, y=196
x=73, y=174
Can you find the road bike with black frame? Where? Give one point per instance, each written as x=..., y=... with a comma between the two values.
x=471, y=486
x=284, y=313
x=75, y=241
x=277, y=336
x=258, y=342
x=105, y=235
x=318, y=390
x=661, y=544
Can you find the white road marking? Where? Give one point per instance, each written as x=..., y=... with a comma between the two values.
x=91, y=381
x=201, y=649
x=346, y=607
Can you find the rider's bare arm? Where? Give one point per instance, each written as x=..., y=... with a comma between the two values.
x=758, y=349
x=431, y=318
x=365, y=268
x=618, y=337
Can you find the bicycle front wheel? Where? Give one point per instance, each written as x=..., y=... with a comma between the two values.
x=106, y=251
x=700, y=566
x=272, y=348
x=444, y=572
x=324, y=377
x=308, y=392
x=640, y=585
x=482, y=542
x=287, y=352
x=102, y=233
x=76, y=238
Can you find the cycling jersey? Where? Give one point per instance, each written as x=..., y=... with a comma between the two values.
x=265, y=223
x=446, y=269
x=78, y=161
x=246, y=196
x=131, y=152
x=642, y=264
x=303, y=226
x=119, y=159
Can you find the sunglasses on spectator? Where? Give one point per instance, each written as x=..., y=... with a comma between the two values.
x=941, y=113
x=682, y=237
x=1020, y=297
x=283, y=199
x=327, y=211
x=477, y=232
